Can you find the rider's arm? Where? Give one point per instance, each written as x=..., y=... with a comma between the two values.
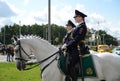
x=80, y=35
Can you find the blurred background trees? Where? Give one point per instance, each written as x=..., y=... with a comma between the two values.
x=57, y=34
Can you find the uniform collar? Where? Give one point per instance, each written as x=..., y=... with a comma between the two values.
x=70, y=31
x=80, y=23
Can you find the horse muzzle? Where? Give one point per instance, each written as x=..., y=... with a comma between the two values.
x=20, y=65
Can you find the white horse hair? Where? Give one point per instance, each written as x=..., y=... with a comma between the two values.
x=107, y=64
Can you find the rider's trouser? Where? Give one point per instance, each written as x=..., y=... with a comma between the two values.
x=74, y=59
x=73, y=74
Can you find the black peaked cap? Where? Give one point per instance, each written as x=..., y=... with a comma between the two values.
x=70, y=23
x=78, y=13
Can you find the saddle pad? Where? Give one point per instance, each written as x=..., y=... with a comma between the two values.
x=87, y=63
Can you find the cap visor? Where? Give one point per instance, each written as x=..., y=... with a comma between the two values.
x=75, y=16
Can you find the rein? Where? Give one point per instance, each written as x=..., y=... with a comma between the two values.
x=49, y=62
x=37, y=63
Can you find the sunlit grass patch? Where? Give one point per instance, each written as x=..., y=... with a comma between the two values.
x=8, y=72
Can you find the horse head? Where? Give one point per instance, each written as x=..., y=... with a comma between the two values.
x=28, y=47
x=22, y=55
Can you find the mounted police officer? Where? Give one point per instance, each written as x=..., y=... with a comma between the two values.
x=70, y=28
x=68, y=37
x=79, y=33
x=78, y=37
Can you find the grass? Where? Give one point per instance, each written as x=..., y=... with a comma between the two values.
x=9, y=72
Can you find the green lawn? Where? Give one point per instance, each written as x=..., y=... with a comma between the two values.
x=8, y=72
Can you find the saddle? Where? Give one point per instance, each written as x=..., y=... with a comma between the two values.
x=89, y=69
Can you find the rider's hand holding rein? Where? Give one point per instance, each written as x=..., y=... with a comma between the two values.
x=64, y=47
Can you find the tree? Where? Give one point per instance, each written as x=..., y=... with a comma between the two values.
x=105, y=38
x=57, y=33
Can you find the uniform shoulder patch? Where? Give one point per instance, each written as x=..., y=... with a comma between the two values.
x=80, y=30
x=71, y=36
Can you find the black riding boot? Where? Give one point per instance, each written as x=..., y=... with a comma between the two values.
x=73, y=74
x=68, y=78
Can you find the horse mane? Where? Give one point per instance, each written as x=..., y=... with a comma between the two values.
x=35, y=37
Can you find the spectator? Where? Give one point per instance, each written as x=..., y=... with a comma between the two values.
x=8, y=51
x=12, y=53
x=3, y=50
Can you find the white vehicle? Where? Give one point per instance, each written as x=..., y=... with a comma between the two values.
x=116, y=50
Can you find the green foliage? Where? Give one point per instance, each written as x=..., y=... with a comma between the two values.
x=8, y=72
x=104, y=38
x=56, y=32
x=108, y=39
x=39, y=30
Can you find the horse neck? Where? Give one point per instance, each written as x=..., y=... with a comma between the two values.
x=41, y=49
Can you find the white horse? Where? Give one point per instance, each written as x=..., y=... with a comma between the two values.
x=107, y=64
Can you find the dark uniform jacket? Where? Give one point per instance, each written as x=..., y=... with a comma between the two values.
x=68, y=37
x=78, y=35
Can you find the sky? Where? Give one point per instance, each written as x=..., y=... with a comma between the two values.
x=28, y=12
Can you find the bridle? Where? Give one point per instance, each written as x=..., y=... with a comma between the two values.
x=19, y=50
x=37, y=63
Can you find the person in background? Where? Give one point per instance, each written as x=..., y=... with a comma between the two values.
x=8, y=52
x=3, y=50
x=12, y=53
